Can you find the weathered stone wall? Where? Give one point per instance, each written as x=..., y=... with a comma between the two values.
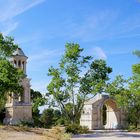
x=86, y=118
x=17, y=114
x=92, y=116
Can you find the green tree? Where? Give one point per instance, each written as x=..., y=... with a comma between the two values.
x=9, y=76
x=38, y=100
x=71, y=86
x=47, y=117
x=134, y=114
x=127, y=94
x=51, y=117
x=137, y=52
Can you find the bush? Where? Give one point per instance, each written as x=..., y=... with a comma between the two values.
x=76, y=129
x=26, y=123
x=133, y=128
x=57, y=133
x=47, y=118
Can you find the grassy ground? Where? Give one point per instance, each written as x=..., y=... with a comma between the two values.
x=25, y=133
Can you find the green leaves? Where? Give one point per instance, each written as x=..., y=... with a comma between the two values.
x=7, y=46
x=94, y=81
x=70, y=87
x=127, y=94
x=137, y=52
x=9, y=76
x=72, y=51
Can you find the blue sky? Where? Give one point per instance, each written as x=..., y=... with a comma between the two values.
x=108, y=29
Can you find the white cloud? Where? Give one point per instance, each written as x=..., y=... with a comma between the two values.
x=100, y=25
x=45, y=54
x=9, y=9
x=92, y=27
x=9, y=27
x=97, y=51
x=42, y=59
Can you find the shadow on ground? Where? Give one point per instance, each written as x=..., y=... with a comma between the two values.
x=109, y=134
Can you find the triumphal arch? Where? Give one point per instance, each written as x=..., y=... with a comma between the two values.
x=18, y=108
x=101, y=112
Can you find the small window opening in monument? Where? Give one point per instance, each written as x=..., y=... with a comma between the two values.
x=10, y=98
x=22, y=65
x=22, y=97
x=19, y=63
x=15, y=63
x=104, y=114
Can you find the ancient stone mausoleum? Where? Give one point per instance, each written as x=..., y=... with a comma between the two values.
x=101, y=112
x=19, y=108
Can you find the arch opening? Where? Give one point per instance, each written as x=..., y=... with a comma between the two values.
x=110, y=118
x=104, y=115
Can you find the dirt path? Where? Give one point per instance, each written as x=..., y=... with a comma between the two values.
x=16, y=133
x=25, y=133
x=6, y=135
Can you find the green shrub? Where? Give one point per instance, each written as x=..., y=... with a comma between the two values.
x=133, y=128
x=26, y=123
x=76, y=129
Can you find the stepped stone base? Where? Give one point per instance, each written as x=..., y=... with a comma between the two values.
x=16, y=114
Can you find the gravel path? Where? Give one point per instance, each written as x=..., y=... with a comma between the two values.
x=108, y=136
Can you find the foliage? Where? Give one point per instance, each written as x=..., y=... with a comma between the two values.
x=47, y=118
x=134, y=86
x=26, y=124
x=7, y=46
x=127, y=94
x=57, y=133
x=51, y=117
x=71, y=86
x=137, y=52
x=37, y=100
x=95, y=79
x=133, y=128
x=9, y=76
x=35, y=95
x=76, y=129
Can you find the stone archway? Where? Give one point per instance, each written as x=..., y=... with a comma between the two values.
x=93, y=117
x=110, y=115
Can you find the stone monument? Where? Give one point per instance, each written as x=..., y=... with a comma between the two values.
x=101, y=112
x=19, y=108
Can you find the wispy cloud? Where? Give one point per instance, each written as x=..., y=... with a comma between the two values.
x=38, y=64
x=9, y=27
x=100, y=25
x=99, y=53
x=9, y=9
x=96, y=52
x=46, y=53
x=92, y=27
x=43, y=59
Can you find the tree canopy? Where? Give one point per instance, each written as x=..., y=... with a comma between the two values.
x=9, y=75
x=127, y=94
x=71, y=85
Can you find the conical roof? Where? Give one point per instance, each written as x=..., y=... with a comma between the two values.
x=19, y=52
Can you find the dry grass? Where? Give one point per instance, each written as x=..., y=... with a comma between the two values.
x=25, y=133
